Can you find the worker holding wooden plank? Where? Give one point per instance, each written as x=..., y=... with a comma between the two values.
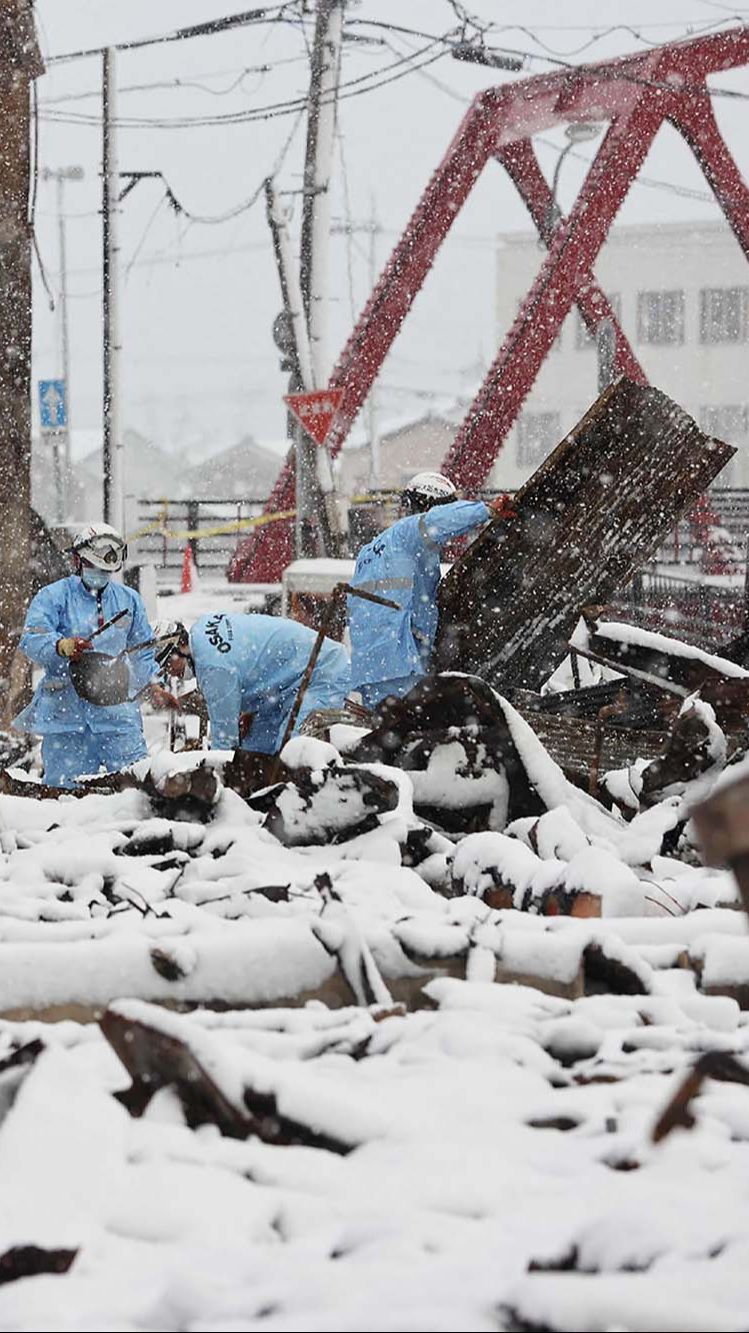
x=392, y=650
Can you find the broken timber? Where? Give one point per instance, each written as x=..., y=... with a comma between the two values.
x=593, y=512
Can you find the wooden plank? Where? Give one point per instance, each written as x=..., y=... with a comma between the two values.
x=592, y=514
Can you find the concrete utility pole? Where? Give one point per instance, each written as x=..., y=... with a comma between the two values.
x=20, y=64
x=60, y=175
x=321, y=121
x=114, y=482
x=292, y=337
x=314, y=255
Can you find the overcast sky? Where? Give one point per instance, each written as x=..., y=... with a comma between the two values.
x=199, y=365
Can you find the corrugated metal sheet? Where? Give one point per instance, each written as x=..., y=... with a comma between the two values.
x=593, y=512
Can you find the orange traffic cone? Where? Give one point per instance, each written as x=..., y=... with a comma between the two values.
x=188, y=569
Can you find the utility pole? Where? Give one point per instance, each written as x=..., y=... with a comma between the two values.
x=314, y=254
x=290, y=332
x=114, y=487
x=20, y=64
x=64, y=471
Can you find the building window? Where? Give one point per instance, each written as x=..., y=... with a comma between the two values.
x=585, y=339
x=660, y=317
x=729, y=423
x=723, y=313
x=538, y=433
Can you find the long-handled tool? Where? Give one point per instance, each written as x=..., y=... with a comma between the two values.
x=340, y=591
x=109, y=623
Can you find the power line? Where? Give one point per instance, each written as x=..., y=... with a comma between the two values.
x=178, y=84
x=604, y=70
x=352, y=88
x=272, y=14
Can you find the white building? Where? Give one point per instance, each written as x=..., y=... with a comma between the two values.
x=681, y=293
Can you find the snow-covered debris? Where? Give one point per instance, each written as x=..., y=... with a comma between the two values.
x=324, y=805
x=501, y=1113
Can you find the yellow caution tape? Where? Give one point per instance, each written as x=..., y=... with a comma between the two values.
x=158, y=528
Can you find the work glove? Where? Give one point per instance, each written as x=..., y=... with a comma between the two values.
x=501, y=507
x=162, y=699
x=73, y=647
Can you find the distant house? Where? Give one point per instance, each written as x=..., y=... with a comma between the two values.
x=417, y=445
x=245, y=471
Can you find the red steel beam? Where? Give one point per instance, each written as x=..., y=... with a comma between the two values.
x=696, y=122
x=520, y=162
x=673, y=77
x=577, y=241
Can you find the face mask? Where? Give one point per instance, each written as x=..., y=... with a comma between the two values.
x=95, y=579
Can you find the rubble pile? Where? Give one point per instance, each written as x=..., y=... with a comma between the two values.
x=436, y=1021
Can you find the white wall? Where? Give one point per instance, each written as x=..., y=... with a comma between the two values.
x=685, y=257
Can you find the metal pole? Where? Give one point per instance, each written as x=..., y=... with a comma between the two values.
x=313, y=469
x=64, y=492
x=321, y=120
x=112, y=440
x=296, y=346
x=606, y=349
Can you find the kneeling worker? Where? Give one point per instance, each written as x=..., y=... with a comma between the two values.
x=79, y=737
x=249, y=668
x=392, y=650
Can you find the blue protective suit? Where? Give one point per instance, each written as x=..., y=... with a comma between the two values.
x=248, y=663
x=391, y=650
x=79, y=737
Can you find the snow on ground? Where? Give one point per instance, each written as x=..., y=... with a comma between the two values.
x=477, y=1157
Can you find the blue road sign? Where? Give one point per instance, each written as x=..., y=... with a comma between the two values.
x=53, y=405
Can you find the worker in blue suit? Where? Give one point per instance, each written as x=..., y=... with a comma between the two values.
x=248, y=669
x=392, y=650
x=81, y=738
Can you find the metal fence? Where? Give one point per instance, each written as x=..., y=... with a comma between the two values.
x=704, y=613
x=213, y=529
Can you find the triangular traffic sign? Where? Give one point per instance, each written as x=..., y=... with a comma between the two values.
x=315, y=411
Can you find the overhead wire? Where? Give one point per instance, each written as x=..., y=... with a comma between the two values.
x=211, y=27
x=604, y=69
x=349, y=88
x=176, y=84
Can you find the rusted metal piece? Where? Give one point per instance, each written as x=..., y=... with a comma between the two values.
x=593, y=512
x=31, y=1260
x=604, y=715
x=155, y=1059
x=653, y=678
x=722, y=825
x=681, y=670
x=685, y=756
x=718, y=1065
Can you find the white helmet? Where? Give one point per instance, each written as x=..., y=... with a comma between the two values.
x=174, y=638
x=101, y=546
x=428, y=488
